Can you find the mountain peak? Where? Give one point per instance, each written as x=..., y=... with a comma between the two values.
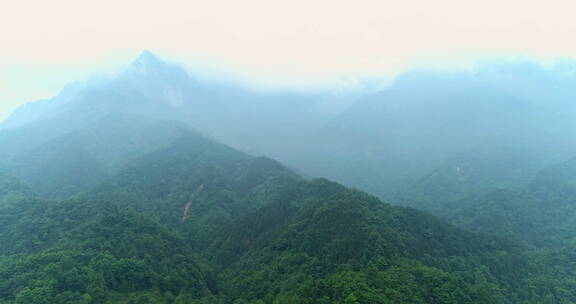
x=147, y=56
x=145, y=61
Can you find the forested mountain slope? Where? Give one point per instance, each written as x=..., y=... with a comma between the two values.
x=82, y=158
x=260, y=122
x=76, y=251
x=198, y=221
x=541, y=213
x=515, y=115
x=423, y=121
x=108, y=195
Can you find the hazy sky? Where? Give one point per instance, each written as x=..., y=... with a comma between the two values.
x=45, y=44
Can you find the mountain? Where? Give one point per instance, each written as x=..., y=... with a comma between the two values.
x=386, y=141
x=332, y=248
x=77, y=252
x=131, y=192
x=195, y=220
x=540, y=213
x=502, y=164
x=75, y=161
x=30, y=112
x=261, y=123
x=391, y=139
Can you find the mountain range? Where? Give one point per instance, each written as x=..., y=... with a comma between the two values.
x=155, y=186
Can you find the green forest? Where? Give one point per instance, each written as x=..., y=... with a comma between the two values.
x=154, y=187
x=256, y=232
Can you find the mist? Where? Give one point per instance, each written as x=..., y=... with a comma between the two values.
x=381, y=136
x=458, y=175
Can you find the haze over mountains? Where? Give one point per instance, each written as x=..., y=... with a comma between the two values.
x=383, y=142
x=157, y=187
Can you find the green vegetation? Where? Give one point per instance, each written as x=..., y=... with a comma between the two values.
x=107, y=195
x=539, y=214
x=255, y=232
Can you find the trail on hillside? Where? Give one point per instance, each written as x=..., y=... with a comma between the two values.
x=196, y=193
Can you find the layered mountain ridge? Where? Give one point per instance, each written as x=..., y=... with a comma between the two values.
x=139, y=189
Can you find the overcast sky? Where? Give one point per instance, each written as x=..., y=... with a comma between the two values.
x=45, y=44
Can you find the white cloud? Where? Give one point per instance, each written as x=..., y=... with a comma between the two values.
x=297, y=41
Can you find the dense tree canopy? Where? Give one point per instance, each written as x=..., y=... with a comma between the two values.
x=255, y=233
